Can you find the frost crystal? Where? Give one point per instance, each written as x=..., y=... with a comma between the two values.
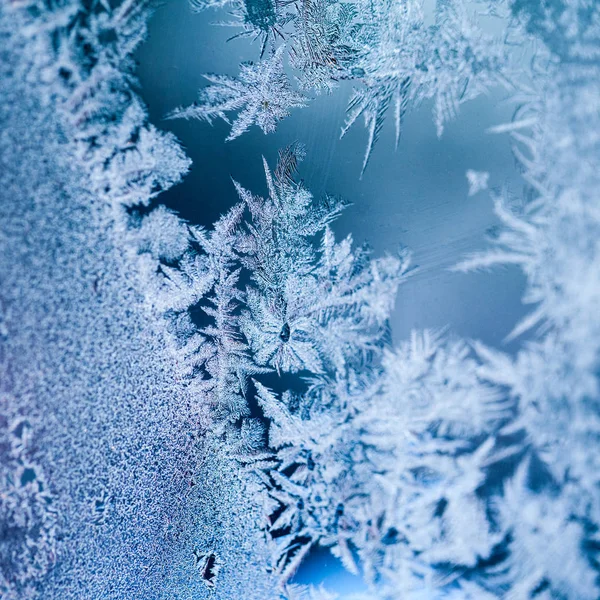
x=478, y=181
x=262, y=95
x=386, y=47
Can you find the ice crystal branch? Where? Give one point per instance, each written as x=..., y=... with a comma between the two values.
x=262, y=95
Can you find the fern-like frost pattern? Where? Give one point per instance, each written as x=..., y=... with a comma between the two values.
x=201, y=408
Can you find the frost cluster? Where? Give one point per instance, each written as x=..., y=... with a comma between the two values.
x=393, y=54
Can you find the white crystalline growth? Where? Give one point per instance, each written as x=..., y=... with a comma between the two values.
x=174, y=457
x=478, y=181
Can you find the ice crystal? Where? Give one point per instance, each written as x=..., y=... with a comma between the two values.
x=262, y=95
x=478, y=181
x=307, y=312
